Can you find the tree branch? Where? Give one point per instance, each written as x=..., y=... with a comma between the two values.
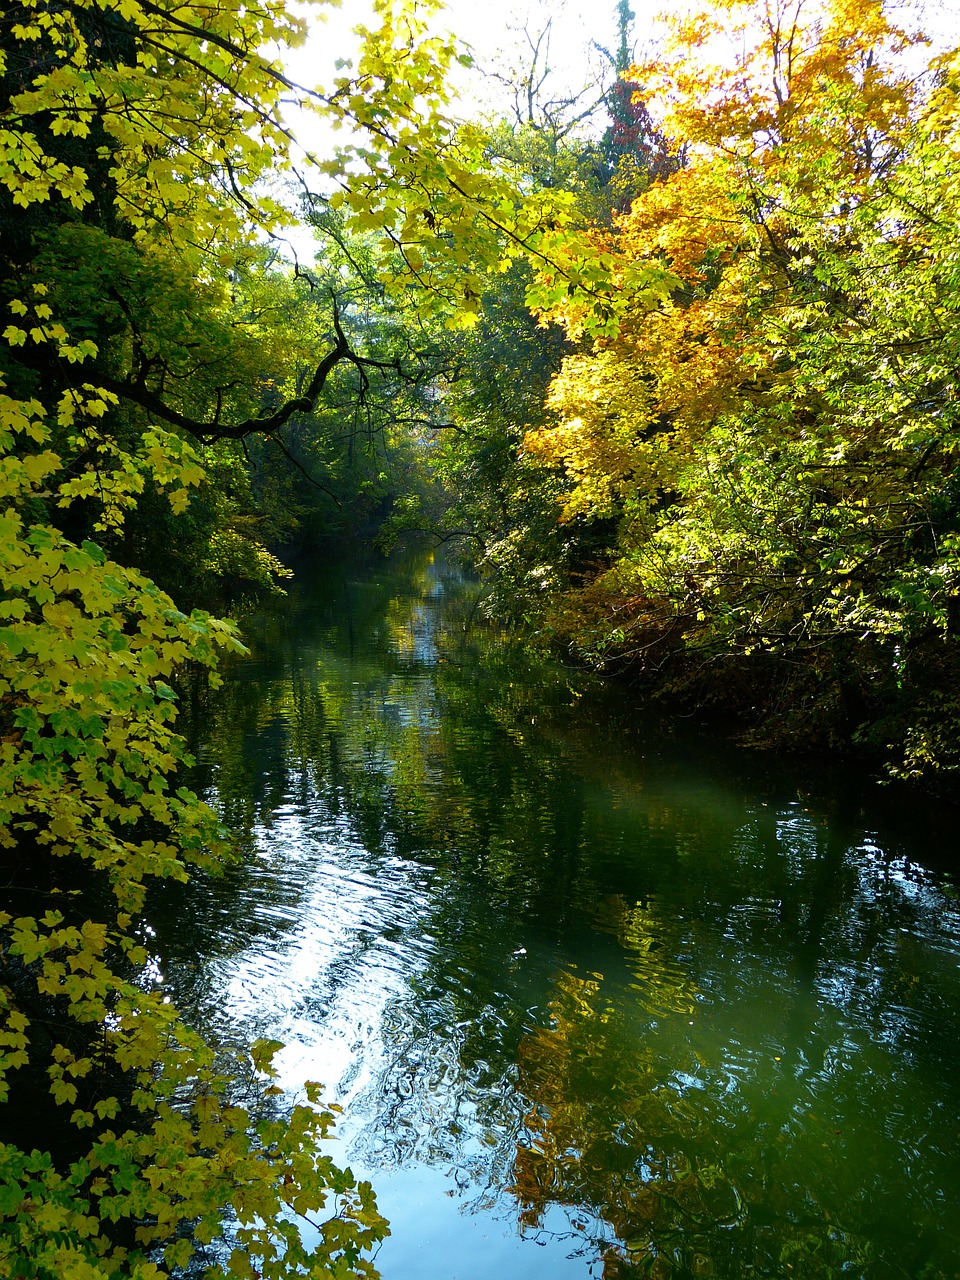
x=279, y=442
x=210, y=432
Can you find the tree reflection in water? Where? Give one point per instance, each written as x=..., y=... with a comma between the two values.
x=662, y=1010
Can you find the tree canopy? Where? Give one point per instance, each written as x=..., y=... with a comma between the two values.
x=775, y=444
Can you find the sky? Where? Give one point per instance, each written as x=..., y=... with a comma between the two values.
x=487, y=25
x=494, y=31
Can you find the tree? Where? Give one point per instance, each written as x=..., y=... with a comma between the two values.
x=495, y=390
x=634, y=151
x=131, y=138
x=776, y=443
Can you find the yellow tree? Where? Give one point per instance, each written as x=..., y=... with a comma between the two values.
x=777, y=440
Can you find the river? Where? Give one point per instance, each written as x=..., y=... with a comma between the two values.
x=596, y=1000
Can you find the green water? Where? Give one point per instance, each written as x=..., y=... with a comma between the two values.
x=597, y=1001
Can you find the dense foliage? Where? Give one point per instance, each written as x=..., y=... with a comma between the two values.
x=130, y=135
x=690, y=390
x=773, y=449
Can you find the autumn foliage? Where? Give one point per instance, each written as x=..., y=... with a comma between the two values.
x=729, y=469
x=776, y=442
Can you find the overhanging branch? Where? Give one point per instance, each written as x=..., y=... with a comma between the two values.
x=210, y=432
x=134, y=391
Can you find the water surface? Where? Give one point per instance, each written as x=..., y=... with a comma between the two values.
x=596, y=1001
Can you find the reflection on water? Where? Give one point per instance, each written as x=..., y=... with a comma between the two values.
x=593, y=1006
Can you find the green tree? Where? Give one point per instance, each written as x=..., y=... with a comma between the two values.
x=494, y=391
x=634, y=151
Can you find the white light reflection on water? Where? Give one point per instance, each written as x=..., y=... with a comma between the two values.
x=329, y=974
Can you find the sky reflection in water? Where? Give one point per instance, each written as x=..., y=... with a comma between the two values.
x=594, y=1005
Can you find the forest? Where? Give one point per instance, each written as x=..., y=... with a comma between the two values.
x=674, y=368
